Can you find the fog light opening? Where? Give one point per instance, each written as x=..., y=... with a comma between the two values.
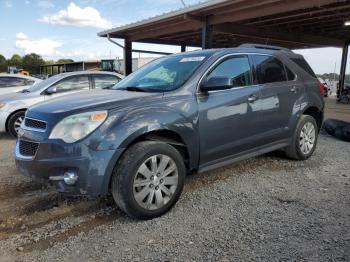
x=70, y=177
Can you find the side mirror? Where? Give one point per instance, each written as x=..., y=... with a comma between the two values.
x=217, y=83
x=51, y=90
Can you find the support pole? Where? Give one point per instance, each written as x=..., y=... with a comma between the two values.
x=183, y=47
x=343, y=68
x=207, y=34
x=127, y=57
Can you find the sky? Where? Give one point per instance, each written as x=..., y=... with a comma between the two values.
x=68, y=29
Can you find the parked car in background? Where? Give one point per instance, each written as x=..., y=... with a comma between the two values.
x=11, y=83
x=13, y=106
x=189, y=112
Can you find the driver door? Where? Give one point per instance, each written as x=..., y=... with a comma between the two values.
x=227, y=118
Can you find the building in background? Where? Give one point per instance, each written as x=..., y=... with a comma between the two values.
x=110, y=65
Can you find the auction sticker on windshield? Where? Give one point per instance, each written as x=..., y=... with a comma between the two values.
x=192, y=59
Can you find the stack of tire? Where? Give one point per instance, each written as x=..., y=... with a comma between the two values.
x=337, y=128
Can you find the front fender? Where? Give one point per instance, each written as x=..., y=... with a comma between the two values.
x=135, y=123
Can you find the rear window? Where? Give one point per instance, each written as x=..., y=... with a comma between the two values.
x=304, y=65
x=269, y=69
x=103, y=81
x=12, y=81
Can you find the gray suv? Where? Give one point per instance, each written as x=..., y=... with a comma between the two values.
x=183, y=113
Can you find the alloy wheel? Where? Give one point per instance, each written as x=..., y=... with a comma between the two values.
x=18, y=122
x=307, y=138
x=155, y=182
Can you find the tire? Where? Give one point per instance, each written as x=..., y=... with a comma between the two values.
x=132, y=199
x=295, y=150
x=330, y=125
x=343, y=133
x=14, y=122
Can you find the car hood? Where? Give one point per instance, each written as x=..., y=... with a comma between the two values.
x=17, y=96
x=90, y=100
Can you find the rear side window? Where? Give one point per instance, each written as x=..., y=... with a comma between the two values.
x=237, y=68
x=304, y=65
x=12, y=82
x=269, y=69
x=104, y=81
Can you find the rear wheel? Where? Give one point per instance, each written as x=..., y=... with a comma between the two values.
x=14, y=123
x=304, y=139
x=148, y=179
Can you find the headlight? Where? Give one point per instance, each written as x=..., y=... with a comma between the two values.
x=75, y=127
x=2, y=105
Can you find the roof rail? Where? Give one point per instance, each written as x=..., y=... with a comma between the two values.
x=269, y=47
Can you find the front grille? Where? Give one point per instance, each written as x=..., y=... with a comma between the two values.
x=27, y=148
x=33, y=123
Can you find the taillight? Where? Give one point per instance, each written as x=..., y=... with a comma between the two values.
x=322, y=88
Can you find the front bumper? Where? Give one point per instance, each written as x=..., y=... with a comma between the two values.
x=3, y=117
x=54, y=158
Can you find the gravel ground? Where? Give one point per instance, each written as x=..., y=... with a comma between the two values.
x=264, y=209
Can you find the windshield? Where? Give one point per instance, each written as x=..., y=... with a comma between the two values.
x=162, y=75
x=45, y=83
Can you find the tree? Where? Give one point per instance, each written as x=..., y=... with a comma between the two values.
x=32, y=63
x=63, y=61
x=3, y=64
x=15, y=60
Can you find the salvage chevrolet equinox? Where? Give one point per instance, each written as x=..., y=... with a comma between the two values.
x=183, y=113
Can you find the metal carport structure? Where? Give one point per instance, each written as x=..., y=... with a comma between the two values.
x=293, y=24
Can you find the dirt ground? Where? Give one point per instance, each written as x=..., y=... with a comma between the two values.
x=264, y=209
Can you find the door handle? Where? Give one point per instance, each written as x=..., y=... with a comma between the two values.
x=294, y=89
x=252, y=98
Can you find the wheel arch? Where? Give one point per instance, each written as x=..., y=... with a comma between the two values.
x=10, y=115
x=316, y=113
x=163, y=135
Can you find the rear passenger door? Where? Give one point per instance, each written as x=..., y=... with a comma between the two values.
x=279, y=93
x=104, y=81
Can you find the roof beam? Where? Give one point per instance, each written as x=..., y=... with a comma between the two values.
x=307, y=13
x=290, y=37
x=170, y=29
x=268, y=9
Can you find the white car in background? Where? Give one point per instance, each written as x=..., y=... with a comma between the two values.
x=11, y=83
x=13, y=106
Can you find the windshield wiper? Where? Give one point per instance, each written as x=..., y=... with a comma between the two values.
x=135, y=89
x=24, y=91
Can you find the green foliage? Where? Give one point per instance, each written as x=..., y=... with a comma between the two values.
x=335, y=76
x=3, y=64
x=15, y=60
x=63, y=61
x=32, y=63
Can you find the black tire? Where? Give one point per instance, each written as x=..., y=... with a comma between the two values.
x=343, y=133
x=330, y=125
x=293, y=151
x=13, y=121
x=122, y=185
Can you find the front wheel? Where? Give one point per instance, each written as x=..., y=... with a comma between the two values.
x=148, y=180
x=14, y=123
x=304, y=139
